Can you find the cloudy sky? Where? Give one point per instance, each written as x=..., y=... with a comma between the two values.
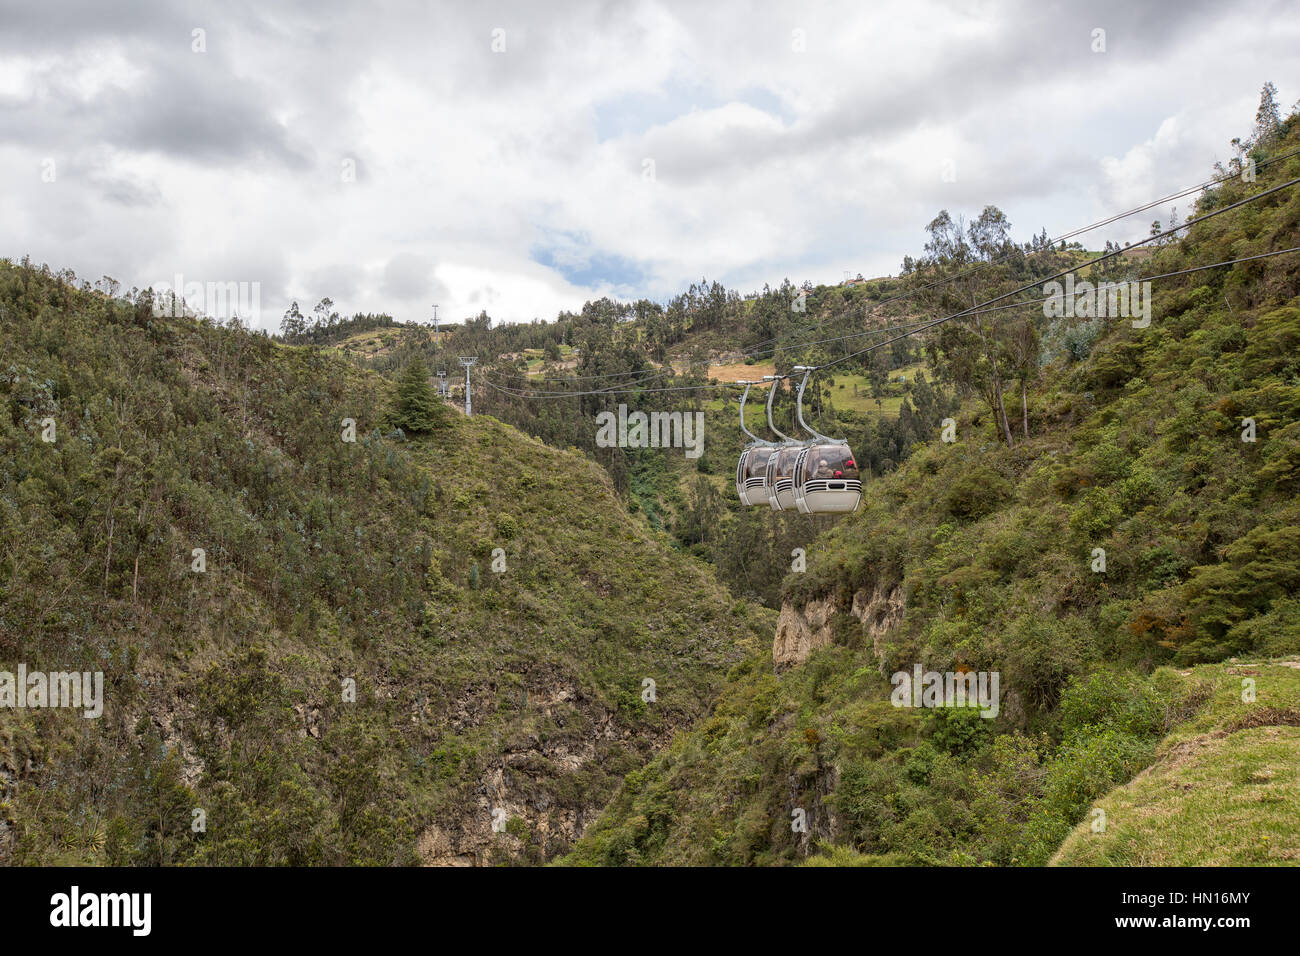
x=525, y=157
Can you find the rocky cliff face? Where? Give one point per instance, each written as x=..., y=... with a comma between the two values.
x=801, y=630
x=544, y=789
x=879, y=613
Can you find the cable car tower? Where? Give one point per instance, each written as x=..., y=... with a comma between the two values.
x=468, y=361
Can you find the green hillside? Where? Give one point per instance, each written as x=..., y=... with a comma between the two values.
x=338, y=622
x=1229, y=772
x=326, y=561
x=982, y=555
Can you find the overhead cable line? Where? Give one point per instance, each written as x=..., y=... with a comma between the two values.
x=978, y=308
x=757, y=349
x=1065, y=272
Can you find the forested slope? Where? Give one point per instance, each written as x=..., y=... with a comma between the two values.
x=324, y=561
x=1174, y=449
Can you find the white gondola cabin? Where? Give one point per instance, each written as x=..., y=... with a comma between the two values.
x=780, y=476
x=826, y=476
x=818, y=476
x=751, y=475
x=826, y=479
x=751, y=470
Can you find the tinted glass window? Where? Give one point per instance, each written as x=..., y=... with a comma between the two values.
x=756, y=463
x=830, y=461
x=785, y=462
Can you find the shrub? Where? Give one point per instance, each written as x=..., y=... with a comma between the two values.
x=976, y=492
x=1122, y=701
x=1082, y=770
x=1095, y=515
x=957, y=730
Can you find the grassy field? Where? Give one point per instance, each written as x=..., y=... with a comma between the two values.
x=1224, y=790
x=853, y=392
x=536, y=364
x=375, y=342
x=370, y=344
x=849, y=392
x=844, y=398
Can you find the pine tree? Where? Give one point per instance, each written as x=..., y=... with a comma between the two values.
x=418, y=409
x=1267, y=117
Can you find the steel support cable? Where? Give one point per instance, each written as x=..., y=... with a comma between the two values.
x=757, y=350
x=979, y=308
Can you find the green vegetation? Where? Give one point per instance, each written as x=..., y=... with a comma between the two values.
x=325, y=562
x=989, y=549
x=347, y=625
x=1224, y=789
x=417, y=409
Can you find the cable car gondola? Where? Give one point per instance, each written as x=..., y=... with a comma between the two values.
x=780, y=465
x=826, y=476
x=751, y=470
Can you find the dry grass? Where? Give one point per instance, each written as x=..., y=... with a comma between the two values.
x=740, y=371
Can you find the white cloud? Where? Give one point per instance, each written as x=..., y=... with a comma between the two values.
x=471, y=165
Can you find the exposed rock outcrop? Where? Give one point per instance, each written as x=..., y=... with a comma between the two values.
x=879, y=613
x=800, y=632
x=542, y=795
